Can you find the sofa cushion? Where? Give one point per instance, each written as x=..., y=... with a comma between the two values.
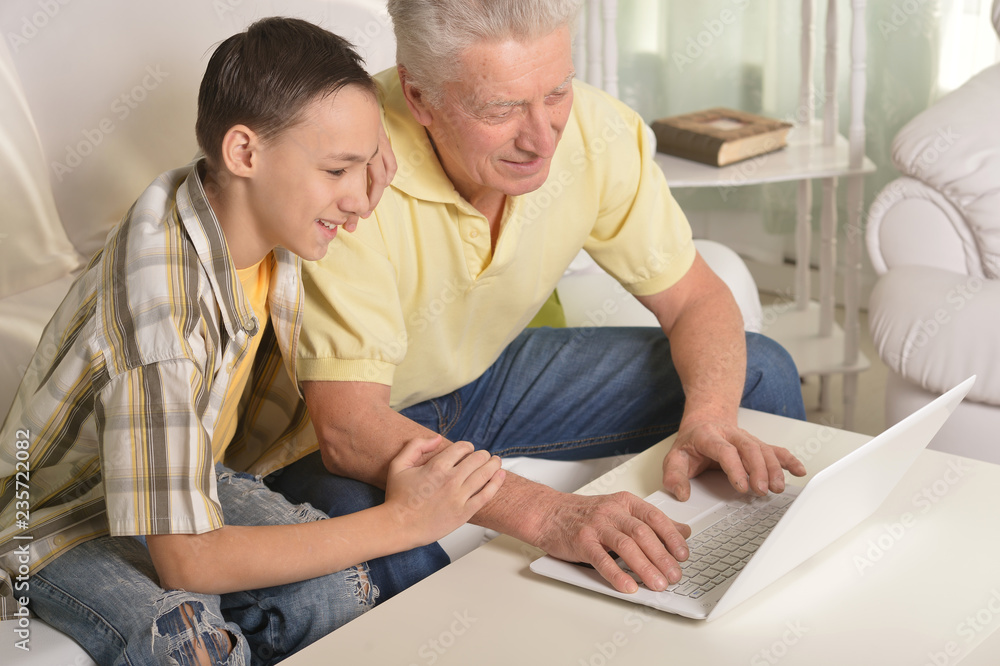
x=936, y=328
x=952, y=147
x=34, y=248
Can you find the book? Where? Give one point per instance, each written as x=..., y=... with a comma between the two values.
x=719, y=136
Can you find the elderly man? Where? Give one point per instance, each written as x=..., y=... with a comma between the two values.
x=507, y=168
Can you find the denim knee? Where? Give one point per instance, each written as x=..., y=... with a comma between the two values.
x=354, y=584
x=279, y=621
x=772, y=381
x=185, y=632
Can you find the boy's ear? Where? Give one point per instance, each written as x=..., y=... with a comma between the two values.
x=239, y=150
x=415, y=99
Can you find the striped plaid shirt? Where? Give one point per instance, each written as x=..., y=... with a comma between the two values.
x=111, y=429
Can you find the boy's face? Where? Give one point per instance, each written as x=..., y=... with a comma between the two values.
x=313, y=177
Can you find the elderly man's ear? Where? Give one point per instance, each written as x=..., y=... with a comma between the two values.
x=414, y=98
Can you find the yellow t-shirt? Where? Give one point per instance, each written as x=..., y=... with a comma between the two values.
x=416, y=298
x=256, y=281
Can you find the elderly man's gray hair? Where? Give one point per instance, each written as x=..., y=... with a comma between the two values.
x=430, y=34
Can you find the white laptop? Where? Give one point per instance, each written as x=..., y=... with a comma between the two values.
x=740, y=544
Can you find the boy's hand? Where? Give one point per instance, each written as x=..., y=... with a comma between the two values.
x=434, y=497
x=380, y=171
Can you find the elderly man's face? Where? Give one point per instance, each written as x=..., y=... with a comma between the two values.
x=499, y=124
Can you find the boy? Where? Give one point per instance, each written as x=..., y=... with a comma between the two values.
x=167, y=354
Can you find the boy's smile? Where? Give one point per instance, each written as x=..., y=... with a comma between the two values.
x=315, y=173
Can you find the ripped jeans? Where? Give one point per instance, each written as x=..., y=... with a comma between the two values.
x=105, y=594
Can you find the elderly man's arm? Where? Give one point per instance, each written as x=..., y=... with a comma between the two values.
x=708, y=347
x=359, y=434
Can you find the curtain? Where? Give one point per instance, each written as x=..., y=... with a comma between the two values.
x=678, y=56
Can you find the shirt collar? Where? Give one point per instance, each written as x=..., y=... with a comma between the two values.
x=205, y=232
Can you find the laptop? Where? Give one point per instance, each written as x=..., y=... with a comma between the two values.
x=740, y=544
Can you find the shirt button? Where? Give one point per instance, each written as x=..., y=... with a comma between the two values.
x=473, y=234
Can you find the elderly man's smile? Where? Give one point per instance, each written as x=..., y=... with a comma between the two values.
x=525, y=166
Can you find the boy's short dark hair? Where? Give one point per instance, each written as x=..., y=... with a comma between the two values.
x=264, y=77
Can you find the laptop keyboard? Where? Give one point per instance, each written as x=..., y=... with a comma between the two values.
x=721, y=550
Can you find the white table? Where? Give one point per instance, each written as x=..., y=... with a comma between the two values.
x=918, y=583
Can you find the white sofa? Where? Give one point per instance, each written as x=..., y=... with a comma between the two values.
x=934, y=237
x=97, y=97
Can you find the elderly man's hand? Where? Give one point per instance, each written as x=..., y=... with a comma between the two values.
x=750, y=464
x=380, y=171
x=584, y=528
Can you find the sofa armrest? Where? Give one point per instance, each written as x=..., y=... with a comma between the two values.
x=954, y=147
x=911, y=223
x=936, y=328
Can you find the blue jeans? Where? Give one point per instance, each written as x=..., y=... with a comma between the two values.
x=106, y=595
x=564, y=394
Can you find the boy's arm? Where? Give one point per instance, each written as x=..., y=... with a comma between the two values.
x=424, y=501
x=158, y=473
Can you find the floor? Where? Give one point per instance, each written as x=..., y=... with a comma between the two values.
x=869, y=417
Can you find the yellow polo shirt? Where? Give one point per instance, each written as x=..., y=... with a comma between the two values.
x=416, y=299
